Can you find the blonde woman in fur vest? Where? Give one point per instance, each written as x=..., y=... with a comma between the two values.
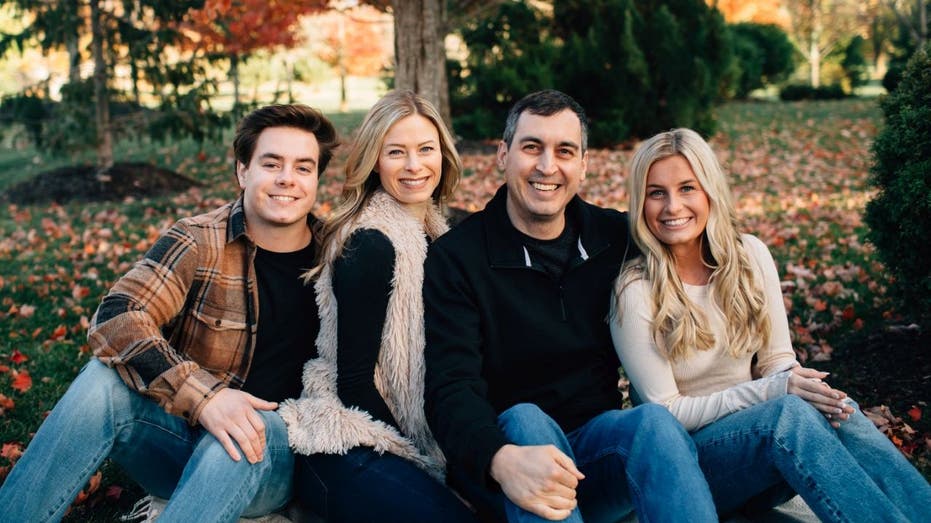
x=700, y=327
x=366, y=453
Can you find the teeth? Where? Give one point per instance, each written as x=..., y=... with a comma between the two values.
x=544, y=186
x=675, y=223
x=414, y=183
x=283, y=198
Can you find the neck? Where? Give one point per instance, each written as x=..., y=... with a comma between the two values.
x=417, y=210
x=690, y=265
x=281, y=239
x=543, y=228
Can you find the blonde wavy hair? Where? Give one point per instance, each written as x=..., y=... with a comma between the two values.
x=678, y=324
x=361, y=179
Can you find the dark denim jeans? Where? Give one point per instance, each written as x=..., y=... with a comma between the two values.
x=364, y=486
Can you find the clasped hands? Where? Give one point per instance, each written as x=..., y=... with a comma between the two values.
x=807, y=384
x=540, y=479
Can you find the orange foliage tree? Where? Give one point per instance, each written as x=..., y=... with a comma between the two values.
x=236, y=28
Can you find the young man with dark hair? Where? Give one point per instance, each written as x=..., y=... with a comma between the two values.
x=195, y=346
x=521, y=382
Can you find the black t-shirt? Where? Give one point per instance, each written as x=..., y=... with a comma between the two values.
x=553, y=256
x=287, y=325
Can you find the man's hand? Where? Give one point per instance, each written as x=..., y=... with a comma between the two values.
x=231, y=415
x=806, y=383
x=539, y=479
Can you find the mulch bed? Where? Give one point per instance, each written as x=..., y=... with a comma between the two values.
x=88, y=183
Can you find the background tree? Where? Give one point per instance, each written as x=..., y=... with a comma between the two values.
x=899, y=214
x=349, y=40
x=115, y=32
x=820, y=26
x=233, y=29
x=764, y=54
x=510, y=54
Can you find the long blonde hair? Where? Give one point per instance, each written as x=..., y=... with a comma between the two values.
x=361, y=180
x=678, y=324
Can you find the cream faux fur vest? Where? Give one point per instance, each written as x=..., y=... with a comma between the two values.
x=318, y=422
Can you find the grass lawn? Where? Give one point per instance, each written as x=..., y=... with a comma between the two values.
x=799, y=173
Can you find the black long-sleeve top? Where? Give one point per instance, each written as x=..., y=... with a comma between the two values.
x=362, y=284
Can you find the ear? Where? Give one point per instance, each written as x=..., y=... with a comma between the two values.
x=502, y=154
x=241, y=174
x=584, y=165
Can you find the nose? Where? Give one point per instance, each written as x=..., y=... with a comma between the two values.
x=413, y=163
x=546, y=163
x=285, y=176
x=673, y=203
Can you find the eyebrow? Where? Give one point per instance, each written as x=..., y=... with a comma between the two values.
x=680, y=184
x=564, y=143
x=274, y=156
x=394, y=144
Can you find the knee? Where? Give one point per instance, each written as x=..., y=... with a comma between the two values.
x=656, y=419
x=101, y=387
x=526, y=418
x=792, y=410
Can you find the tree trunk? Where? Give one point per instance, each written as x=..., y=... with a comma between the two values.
x=104, y=133
x=814, y=43
x=922, y=22
x=74, y=59
x=420, y=55
x=234, y=75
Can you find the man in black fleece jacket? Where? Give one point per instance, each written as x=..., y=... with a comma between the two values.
x=521, y=385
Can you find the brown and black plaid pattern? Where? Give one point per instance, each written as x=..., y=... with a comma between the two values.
x=181, y=324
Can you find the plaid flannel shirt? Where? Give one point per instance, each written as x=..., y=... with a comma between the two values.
x=181, y=324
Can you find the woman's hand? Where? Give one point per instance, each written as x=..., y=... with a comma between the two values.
x=806, y=383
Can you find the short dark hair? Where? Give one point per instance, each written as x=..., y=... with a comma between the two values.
x=298, y=116
x=545, y=103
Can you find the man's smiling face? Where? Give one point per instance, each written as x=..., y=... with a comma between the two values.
x=543, y=168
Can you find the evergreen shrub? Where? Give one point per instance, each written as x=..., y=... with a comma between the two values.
x=900, y=214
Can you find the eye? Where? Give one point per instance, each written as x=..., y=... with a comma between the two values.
x=531, y=147
x=427, y=149
x=689, y=188
x=656, y=193
x=394, y=153
x=305, y=169
x=269, y=165
x=565, y=152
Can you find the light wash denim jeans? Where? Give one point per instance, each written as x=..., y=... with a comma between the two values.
x=100, y=416
x=853, y=473
x=636, y=459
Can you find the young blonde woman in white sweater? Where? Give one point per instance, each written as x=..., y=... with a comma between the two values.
x=700, y=327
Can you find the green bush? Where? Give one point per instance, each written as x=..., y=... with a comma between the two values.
x=899, y=215
x=644, y=66
x=794, y=92
x=764, y=54
x=854, y=62
x=638, y=67
x=510, y=55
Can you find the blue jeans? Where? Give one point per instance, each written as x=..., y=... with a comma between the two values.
x=636, y=459
x=853, y=473
x=100, y=416
x=363, y=485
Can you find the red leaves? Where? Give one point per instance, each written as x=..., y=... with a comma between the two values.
x=18, y=357
x=914, y=413
x=22, y=381
x=901, y=434
x=5, y=404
